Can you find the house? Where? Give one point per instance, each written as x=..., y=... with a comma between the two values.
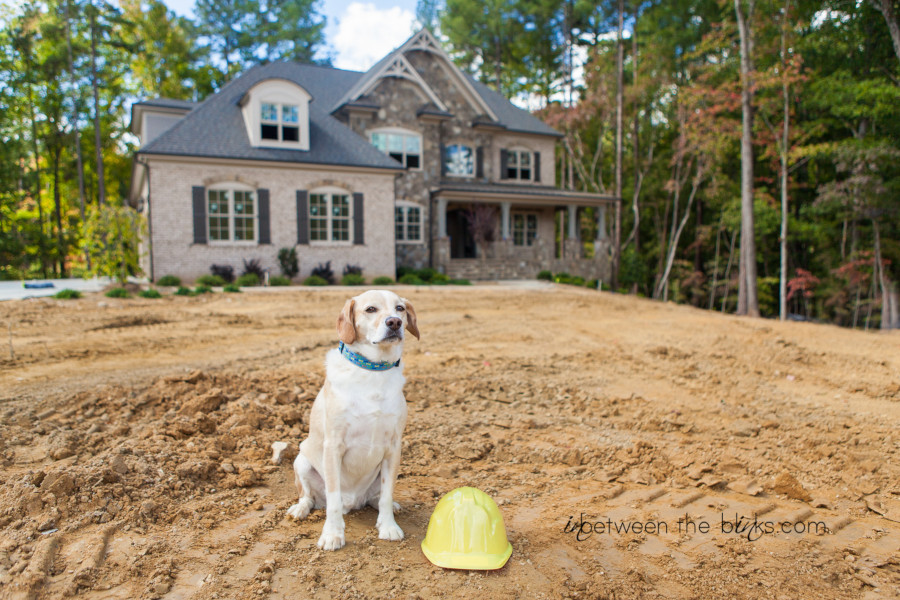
x=379, y=169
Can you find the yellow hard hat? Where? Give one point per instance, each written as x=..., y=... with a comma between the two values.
x=466, y=531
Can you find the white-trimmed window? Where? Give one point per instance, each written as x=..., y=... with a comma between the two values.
x=408, y=222
x=330, y=215
x=459, y=159
x=279, y=122
x=231, y=213
x=403, y=146
x=524, y=228
x=519, y=165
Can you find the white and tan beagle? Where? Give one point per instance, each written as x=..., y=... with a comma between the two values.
x=352, y=455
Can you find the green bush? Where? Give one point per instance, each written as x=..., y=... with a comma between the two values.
x=210, y=280
x=545, y=275
x=202, y=289
x=577, y=281
x=353, y=279
x=401, y=271
x=248, y=280
x=439, y=278
x=232, y=288
x=382, y=280
x=168, y=281
x=279, y=281
x=315, y=280
x=287, y=260
x=118, y=292
x=593, y=284
x=410, y=279
x=460, y=282
x=562, y=278
x=427, y=274
x=151, y=293
x=67, y=294
x=183, y=291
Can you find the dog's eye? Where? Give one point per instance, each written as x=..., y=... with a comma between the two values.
x=371, y=309
x=400, y=308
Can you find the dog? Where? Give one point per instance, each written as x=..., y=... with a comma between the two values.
x=352, y=454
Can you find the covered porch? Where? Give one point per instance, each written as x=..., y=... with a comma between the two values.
x=492, y=231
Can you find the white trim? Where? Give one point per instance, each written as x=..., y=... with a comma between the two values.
x=394, y=65
x=280, y=92
x=230, y=187
x=400, y=131
x=471, y=147
x=406, y=204
x=512, y=227
x=518, y=150
x=329, y=192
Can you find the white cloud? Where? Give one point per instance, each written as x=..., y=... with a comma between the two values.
x=365, y=34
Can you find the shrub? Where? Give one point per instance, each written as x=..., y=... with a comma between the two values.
x=210, y=280
x=315, y=280
x=438, y=279
x=226, y=272
x=287, y=260
x=151, y=293
x=460, y=282
x=232, y=288
x=253, y=267
x=118, y=292
x=67, y=294
x=248, y=280
x=278, y=281
x=545, y=275
x=325, y=272
x=382, y=280
x=411, y=279
x=168, y=281
x=352, y=270
x=353, y=279
x=577, y=281
x=427, y=274
x=202, y=289
x=593, y=284
x=183, y=291
x=401, y=271
x=562, y=278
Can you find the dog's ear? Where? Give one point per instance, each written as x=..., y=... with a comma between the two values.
x=346, y=322
x=410, y=318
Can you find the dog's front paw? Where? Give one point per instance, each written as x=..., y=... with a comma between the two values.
x=301, y=509
x=389, y=531
x=332, y=537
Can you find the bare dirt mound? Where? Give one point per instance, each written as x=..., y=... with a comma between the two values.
x=636, y=450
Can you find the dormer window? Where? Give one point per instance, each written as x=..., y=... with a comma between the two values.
x=279, y=122
x=403, y=146
x=276, y=114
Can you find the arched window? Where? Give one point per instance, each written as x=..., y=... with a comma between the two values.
x=408, y=222
x=459, y=159
x=231, y=210
x=330, y=215
x=403, y=146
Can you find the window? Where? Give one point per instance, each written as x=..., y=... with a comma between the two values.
x=524, y=229
x=518, y=165
x=279, y=122
x=459, y=160
x=405, y=148
x=329, y=216
x=231, y=215
x=408, y=222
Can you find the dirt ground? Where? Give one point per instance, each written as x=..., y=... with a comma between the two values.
x=135, y=443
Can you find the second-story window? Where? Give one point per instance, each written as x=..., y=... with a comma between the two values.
x=459, y=160
x=405, y=148
x=279, y=122
x=518, y=165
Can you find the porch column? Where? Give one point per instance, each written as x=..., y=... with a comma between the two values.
x=573, y=219
x=442, y=218
x=601, y=222
x=504, y=222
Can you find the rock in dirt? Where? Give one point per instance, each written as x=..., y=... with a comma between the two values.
x=745, y=486
x=205, y=403
x=278, y=449
x=788, y=485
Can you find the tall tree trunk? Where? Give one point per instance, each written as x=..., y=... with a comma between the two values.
x=101, y=186
x=748, y=303
x=635, y=142
x=887, y=10
x=676, y=233
x=620, y=100
x=37, y=174
x=887, y=316
x=57, y=203
x=76, y=107
x=785, y=141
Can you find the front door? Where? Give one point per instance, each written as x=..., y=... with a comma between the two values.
x=462, y=244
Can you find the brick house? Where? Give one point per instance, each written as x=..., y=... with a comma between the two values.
x=377, y=169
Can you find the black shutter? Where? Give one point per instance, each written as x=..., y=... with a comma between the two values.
x=262, y=201
x=199, y=196
x=302, y=217
x=537, y=166
x=358, y=219
x=479, y=162
x=504, y=164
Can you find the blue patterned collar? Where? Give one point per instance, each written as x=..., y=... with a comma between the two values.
x=361, y=361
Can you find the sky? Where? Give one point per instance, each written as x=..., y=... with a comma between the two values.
x=357, y=32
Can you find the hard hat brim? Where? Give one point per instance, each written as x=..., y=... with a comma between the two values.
x=467, y=560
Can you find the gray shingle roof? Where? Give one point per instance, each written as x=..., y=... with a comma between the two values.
x=167, y=103
x=510, y=116
x=215, y=129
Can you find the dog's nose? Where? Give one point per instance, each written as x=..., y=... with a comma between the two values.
x=393, y=323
